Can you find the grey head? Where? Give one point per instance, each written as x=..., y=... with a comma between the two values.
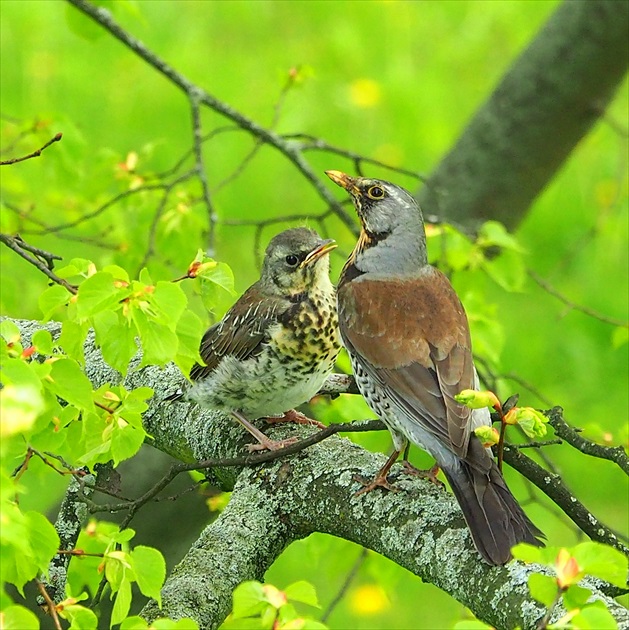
x=295, y=262
x=392, y=238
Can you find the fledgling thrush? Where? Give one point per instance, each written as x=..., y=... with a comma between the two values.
x=276, y=346
x=409, y=342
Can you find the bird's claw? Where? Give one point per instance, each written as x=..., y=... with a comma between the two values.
x=379, y=481
x=430, y=474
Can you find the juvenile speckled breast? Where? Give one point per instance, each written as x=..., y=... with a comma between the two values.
x=310, y=335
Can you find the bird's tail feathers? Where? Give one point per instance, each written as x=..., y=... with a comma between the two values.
x=493, y=515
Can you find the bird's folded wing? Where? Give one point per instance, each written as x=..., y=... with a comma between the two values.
x=411, y=336
x=241, y=334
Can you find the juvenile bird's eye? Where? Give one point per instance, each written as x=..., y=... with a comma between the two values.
x=375, y=192
x=292, y=260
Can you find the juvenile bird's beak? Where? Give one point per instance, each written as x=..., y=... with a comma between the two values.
x=325, y=248
x=344, y=181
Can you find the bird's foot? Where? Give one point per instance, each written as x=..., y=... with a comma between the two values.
x=379, y=481
x=268, y=444
x=430, y=474
x=296, y=417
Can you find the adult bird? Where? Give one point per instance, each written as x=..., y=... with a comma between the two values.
x=276, y=346
x=409, y=342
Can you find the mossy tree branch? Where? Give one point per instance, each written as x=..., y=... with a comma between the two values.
x=420, y=528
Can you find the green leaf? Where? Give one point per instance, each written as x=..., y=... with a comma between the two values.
x=126, y=440
x=603, y=562
x=118, y=345
x=159, y=343
x=593, y=617
x=76, y=268
x=620, y=337
x=97, y=294
x=170, y=301
x=42, y=340
x=20, y=373
x=51, y=299
x=18, y=618
x=543, y=588
x=71, y=384
x=249, y=599
x=302, y=591
x=135, y=623
x=11, y=334
x=493, y=233
x=122, y=605
x=21, y=406
x=80, y=617
x=117, y=564
x=507, y=270
x=189, y=332
x=528, y=553
x=150, y=571
x=72, y=339
x=43, y=538
x=221, y=275
x=576, y=596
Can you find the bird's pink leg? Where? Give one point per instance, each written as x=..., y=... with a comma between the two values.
x=380, y=480
x=295, y=416
x=264, y=441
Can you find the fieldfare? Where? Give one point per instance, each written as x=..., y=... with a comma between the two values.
x=409, y=342
x=276, y=346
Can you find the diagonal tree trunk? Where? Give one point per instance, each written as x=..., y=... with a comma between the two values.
x=547, y=101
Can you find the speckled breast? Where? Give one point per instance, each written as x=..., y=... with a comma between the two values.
x=308, y=338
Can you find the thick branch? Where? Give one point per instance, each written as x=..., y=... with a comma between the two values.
x=547, y=101
x=421, y=527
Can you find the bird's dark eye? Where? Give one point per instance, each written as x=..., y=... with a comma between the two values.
x=292, y=260
x=375, y=192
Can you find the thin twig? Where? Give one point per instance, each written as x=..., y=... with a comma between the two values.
x=18, y=246
x=51, y=609
x=614, y=454
x=200, y=171
x=34, y=154
x=577, y=307
x=554, y=488
x=349, y=578
x=192, y=91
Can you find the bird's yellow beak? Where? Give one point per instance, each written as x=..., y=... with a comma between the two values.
x=325, y=248
x=344, y=181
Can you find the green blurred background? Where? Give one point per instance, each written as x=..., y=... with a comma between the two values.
x=391, y=80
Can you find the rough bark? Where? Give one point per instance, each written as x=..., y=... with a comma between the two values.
x=421, y=527
x=546, y=102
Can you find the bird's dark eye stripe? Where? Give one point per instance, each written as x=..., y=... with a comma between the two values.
x=376, y=192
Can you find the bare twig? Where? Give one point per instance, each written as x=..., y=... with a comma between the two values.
x=199, y=165
x=554, y=488
x=34, y=154
x=51, y=609
x=614, y=454
x=192, y=91
x=22, y=249
x=349, y=578
x=577, y=307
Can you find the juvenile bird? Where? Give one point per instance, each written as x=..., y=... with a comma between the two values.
x=275, y=347
x=409, y=342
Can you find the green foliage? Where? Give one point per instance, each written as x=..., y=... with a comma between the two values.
x=570, y=566
x=575, y=234
x=263, y=606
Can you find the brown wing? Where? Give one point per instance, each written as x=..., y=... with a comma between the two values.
x=412, y=336
x=241, y=333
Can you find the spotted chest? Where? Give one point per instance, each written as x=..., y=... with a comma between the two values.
x=306, y=336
